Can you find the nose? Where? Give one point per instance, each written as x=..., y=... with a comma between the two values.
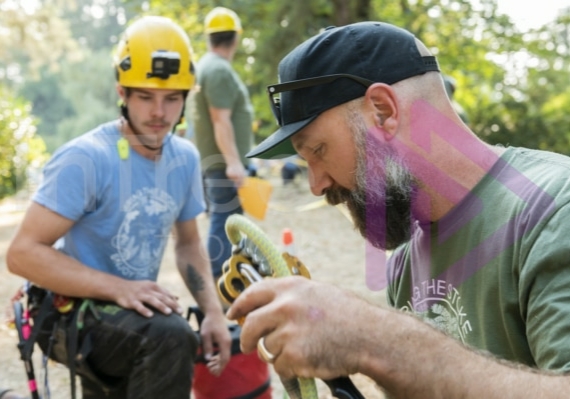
x=319, y=179
x=158, y=108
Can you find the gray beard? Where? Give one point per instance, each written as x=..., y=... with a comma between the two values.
x=380, y=204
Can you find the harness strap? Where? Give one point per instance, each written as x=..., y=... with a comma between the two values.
x=43, y=313
x=72, y=338
x=75, y=326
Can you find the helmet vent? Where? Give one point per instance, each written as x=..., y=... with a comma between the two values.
x=125, y=64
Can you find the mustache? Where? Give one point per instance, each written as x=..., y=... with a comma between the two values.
x=382, y=218
x=161, y=122
x=337, y=195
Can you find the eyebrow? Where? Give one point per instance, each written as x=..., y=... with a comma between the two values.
x=300, y=143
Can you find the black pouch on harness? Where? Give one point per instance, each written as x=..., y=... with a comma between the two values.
x=62, y=338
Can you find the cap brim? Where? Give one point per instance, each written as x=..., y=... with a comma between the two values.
x=278, y=145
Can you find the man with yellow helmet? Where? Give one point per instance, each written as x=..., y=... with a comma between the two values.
x=98, y=226
x=222, y=116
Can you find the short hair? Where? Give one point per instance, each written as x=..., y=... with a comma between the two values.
x=222, y=39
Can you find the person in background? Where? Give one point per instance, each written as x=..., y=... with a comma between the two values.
x=222, y=116
x=479, y=275
x=292, y=166
x=99, y=224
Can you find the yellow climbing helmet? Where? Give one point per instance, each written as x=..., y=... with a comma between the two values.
x=222, y=19
x=154, y=53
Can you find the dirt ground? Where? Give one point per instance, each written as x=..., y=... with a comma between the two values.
x=324, y=240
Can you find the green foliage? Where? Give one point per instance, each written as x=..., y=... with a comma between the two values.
x=457, y=32
x=48, y=102
x=75, y=99
x=512, y=85
x=91, y=85
x=20, y=148
x=97, y=25
x=32, y=36
x=535, y=99
x=60, y=60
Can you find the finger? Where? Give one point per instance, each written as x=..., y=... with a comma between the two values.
x=157, y=303
x=214, y=366
x=207, y=346
x=264, y=353
x=166, y=293
x=253, y=297
x=163, y=303
x=168, y=299
x=146, y=312
x=259, y=323
x=220, y=341
x=172, y=303
x=225, y=350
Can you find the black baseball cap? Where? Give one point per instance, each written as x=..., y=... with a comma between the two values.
x=332, y=68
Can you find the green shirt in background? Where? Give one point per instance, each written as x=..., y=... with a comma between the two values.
x=495, y=271
x=219, y=86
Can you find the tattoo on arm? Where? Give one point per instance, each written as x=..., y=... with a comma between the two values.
x=194, y=280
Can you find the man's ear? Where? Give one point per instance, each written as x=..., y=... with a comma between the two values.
x=121, y=92
x=382, y=97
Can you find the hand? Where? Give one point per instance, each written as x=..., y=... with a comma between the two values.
x=312, y=329
x=137, y=295
x=214, y=331
x=236, y=173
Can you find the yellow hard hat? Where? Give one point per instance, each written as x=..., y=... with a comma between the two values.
x=154, y=53
x=222, y=19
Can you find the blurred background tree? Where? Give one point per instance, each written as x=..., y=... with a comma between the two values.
x=21, y=151
x=514, y=86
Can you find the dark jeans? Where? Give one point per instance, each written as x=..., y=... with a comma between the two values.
x=125, y=355
x=223, y=201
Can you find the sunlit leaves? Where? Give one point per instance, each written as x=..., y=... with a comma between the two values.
x=513, y=85
x=32, y=35
x=20, y=148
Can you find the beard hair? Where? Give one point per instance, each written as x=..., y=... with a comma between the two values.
x=380, y=204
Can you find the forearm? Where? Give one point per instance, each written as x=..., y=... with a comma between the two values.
x=45, y=266
x=410, y=359
x=194, y=267
x=225, y=140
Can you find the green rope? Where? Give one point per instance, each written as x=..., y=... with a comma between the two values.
x=238, y=225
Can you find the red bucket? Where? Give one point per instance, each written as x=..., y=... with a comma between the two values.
x=245, y=377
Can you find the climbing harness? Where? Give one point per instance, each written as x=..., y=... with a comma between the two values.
x=64, y=313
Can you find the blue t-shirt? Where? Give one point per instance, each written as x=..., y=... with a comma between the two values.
x=123, y=209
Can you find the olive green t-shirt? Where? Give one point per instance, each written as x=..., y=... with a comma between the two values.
x=219, y=86
x=495, y=271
